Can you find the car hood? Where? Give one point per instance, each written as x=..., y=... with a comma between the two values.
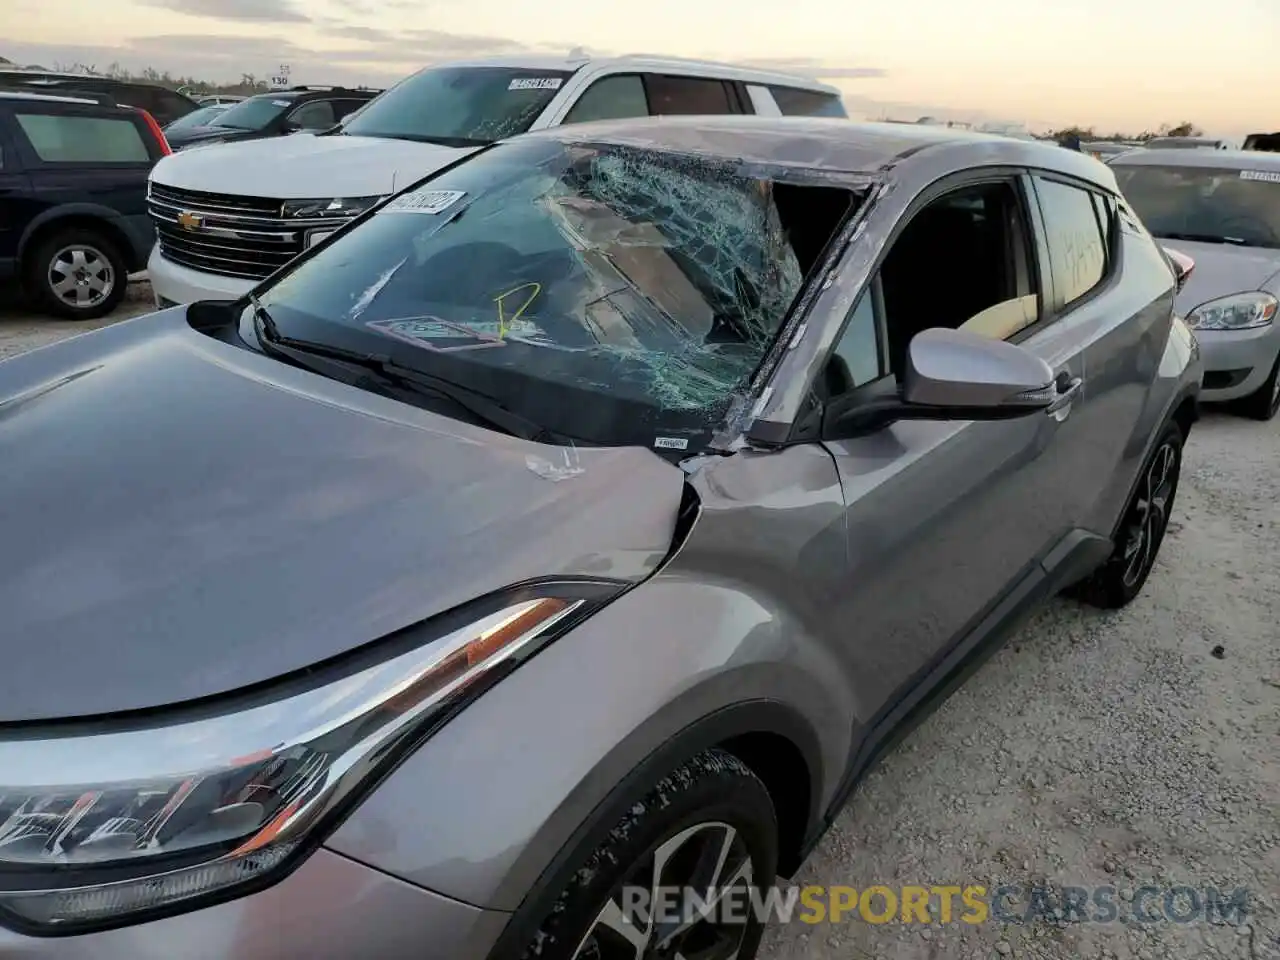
x=184, y=518
x=1222, y=270
x=305, y=166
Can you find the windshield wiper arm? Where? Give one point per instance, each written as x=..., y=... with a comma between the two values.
x=1206, y=238
x=478, y=406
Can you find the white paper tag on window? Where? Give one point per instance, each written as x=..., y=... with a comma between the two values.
x=1267, y=176
x=425, y=201
x=671, y=443
x=280, y=103
x=535, y=83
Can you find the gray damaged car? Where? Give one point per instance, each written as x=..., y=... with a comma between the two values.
x=1220, y=209
x=533, y=568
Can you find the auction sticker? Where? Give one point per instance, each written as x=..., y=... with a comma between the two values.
x=424, y=201
x=535, y=83
x=1267, y=176
x=436, y=334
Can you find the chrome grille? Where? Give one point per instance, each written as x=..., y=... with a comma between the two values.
x=232, y=236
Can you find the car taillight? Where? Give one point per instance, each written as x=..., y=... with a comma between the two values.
x=156, y=132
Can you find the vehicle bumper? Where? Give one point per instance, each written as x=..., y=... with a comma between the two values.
x=331, y=908
x=174, y=284
x=1236, y=362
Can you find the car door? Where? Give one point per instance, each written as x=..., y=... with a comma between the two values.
x=17, y=206
x=948, y=523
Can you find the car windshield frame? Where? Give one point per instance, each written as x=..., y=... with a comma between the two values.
x=418, y=108
x=1197, y=217
x=249, y=107
x=612, y=355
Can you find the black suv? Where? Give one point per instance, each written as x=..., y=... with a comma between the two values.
x=276, y=114
x=73, y=198
x=162, y=103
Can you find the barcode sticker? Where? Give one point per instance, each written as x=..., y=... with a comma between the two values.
x=671, y=443
x=535, y=83
x=425, y=201
x=1267, y=176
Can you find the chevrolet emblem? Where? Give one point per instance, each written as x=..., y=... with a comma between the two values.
x=190, y=221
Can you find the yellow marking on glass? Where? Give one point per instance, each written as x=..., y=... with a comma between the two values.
x=501, y=298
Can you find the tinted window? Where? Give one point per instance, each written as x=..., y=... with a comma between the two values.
x=1077, y=254
x=614, y=294
x=807, y=103
x=254, y=113
x=460, y=106
x=1105, y=208
x=856, y=360
x=673, y=96
x=1241, y=207
x=609, y=99
x=343, y=107
x=316, y=115
x=83, y=139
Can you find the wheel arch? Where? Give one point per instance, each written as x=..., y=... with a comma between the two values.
x=84, y=216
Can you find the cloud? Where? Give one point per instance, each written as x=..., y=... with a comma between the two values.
x=426, y=45
x=249, y=11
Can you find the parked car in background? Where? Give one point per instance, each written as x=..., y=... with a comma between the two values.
x=73, y=211
x=199, y=117
x=1185, y=143
x=592, y=514
x=1106, y=149
x=226, y=219
x=274, y=115
x=1269, y=142
x=162, y=103
x=1223, y=209
x=218, y=98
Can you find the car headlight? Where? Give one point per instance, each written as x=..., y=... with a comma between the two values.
x=1240, y=311
x=103, y=823
x=328, y=209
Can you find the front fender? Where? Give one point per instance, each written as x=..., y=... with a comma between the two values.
x=528, y=778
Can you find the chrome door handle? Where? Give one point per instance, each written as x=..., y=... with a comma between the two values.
x=1068, y=387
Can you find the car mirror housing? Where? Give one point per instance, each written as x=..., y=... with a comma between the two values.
x=956, y=375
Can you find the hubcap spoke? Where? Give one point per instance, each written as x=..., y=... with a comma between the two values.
x=81, y=276
x=1150, y=514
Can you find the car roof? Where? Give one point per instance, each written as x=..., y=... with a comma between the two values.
x=650, y=63
x=828, y=144
x=1196, y=157
x=46, y=98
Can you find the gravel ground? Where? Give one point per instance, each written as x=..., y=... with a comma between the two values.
x=1126, y=749
x=20, y=329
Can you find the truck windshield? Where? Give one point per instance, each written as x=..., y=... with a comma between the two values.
x=460, y=106
x=254, y=113
x=616, y=295
x=1239, y=207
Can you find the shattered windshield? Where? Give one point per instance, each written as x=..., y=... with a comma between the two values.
x=615, y=295
x=460, y=106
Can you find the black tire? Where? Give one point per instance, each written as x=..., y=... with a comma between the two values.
x=1118, y=581
x=1263, y=403
x=697, y=801
x=87, y=259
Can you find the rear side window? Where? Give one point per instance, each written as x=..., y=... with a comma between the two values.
x=611, y=98
x=316, y=115
x=76, y=138
x=1077, y=248
x=675, y=96
x=807, y=103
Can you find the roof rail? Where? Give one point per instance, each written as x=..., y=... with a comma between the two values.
x=63, y=94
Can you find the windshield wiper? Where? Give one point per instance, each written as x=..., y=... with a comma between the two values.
x=386, y=372
x=1205, y=238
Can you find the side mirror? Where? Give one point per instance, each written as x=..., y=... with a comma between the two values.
x=956, y=375
x=1182, y=266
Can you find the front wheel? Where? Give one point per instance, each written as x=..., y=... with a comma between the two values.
x=1264, y=403
x=1118, y=581
x=676, y=878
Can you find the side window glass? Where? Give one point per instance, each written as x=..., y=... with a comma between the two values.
x=675, y=96
x=316, y=115
x=611, y=98
x=1077, y=254
x=71, y=138
x=342, y=108
x=1105, y=207
x=807, y=103
x=972, y=244
x=856, y=358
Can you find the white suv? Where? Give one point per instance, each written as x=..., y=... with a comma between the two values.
x=228, y=215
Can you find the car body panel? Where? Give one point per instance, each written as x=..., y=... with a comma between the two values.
x=330, y=909
x=294, y=518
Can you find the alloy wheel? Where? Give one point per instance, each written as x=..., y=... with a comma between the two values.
x=1150, y=514
x=81, y=276
x=1275, y=393
x=673, y=906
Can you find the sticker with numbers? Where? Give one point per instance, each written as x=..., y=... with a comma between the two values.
x=425, y=201
x=671, y=443
x=1267, y=176
x=535, y=83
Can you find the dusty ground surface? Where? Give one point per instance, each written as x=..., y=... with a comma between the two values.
x=21, y=329
x=1118, y=750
